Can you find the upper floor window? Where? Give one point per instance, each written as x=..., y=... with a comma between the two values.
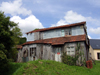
x=62, y=32
x=65, y=32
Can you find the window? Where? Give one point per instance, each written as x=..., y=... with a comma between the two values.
x=25, y=53
x=98, y=55
x=33, y=51
x=30, y=52
x=65, y=32
x=62, y=33
x=70, y=50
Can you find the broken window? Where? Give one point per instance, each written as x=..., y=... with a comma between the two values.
x=33, y=51
x=25, y=53
x=65, y=32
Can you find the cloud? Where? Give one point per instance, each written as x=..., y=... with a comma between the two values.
x=70, y=17
x=93, y=25
x=27, y=24
x=95, y=3
x=14, y=8
x=74, y=17
x=95, y=30
x=89, y=37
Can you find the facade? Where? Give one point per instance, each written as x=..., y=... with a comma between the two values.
x=50, y=43
x=19, y=55
x=94, y=50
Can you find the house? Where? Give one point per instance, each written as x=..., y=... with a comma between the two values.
x=50, y=43
x=94, y=50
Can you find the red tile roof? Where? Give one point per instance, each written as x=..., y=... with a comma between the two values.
x=57, y=27
x=60, y=40
x=18, y=46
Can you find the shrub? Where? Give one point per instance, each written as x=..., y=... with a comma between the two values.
x=69, y=60
x=3, y=62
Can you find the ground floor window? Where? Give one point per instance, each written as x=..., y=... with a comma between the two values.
x=33, y=51
x=98, y=55
x=25, y=53
x=70, y=50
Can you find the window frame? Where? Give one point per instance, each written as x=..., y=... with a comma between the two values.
x=65, y=32
x=98, y=55
x=33, y=51
x=70, y=51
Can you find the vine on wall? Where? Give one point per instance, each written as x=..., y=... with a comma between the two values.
x=78, y=59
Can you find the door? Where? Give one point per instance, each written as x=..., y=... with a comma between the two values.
x=57, y=54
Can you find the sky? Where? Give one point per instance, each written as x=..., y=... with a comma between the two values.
x=32, y=14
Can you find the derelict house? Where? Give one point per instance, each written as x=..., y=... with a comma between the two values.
x=50, y=43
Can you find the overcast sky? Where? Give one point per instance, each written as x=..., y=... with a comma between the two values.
x=31, y=14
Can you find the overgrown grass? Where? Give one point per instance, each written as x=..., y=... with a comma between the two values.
x=48, y=67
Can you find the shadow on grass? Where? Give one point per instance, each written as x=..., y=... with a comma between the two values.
x=13, y=67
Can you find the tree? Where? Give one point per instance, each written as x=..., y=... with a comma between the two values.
x=22, y=40
x=9, y=34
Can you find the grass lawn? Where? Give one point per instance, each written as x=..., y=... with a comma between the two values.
x=48, y=67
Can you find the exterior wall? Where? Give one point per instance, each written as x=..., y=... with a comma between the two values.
x=19, y=59
x=38, y=51
x=44, y=51
x=91, y=53
x=78, y=30
x=48, y=52
x=83, y=50
x=30, y=37
x=28, y=58
x=95, y=53
x=37, y=36
x=51, y=33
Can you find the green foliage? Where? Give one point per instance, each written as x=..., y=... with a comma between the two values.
x=69, y=60
x=48, y=67
x=72, y=60
x=36, y=29
x=9, y=33
x=22, y=40
x=16, y=35
x=3, y=62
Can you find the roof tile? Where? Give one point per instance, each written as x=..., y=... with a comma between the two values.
x=59, y=40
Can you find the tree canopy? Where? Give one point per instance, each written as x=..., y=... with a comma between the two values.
x=9, y=38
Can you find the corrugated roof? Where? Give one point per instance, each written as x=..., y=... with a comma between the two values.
x=95, y=43
x=60, y=40
x=57, y=27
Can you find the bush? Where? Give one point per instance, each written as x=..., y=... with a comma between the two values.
x=3, y=63
x=69, y=60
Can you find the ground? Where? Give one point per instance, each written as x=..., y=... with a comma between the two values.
x=48, y=67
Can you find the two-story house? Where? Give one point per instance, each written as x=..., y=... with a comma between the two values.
x=49, y=43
